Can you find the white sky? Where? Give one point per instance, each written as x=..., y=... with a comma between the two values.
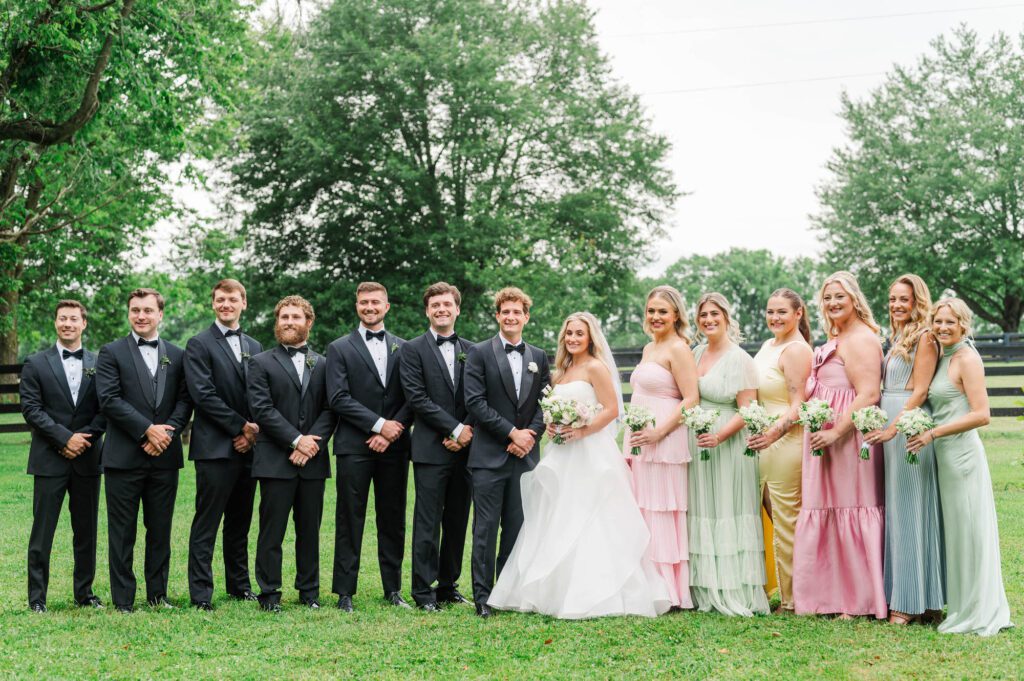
x=748, y=148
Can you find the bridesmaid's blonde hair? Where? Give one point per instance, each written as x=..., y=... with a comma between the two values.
x=959, y=309
x=848, y=282
x=906, y=340
x=719, y=301
x=674, y=298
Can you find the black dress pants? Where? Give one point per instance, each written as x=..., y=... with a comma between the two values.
x=304, y=499
x=497, y=502
x=440, y=517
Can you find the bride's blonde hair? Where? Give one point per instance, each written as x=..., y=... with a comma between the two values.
x=563, y=358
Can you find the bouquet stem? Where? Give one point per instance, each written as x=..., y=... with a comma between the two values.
x=817, y=452
x=705, y=454
x=750, y=452
x=912, y=458
x=558, y=439
x=865, y=451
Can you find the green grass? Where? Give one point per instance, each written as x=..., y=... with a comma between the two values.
x=239, y=641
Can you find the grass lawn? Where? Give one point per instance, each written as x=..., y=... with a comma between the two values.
x=239, y=641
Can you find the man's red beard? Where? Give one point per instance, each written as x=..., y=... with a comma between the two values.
x=295, y=335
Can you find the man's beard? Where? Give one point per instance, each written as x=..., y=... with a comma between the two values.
x=296, y=335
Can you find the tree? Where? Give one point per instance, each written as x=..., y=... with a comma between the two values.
x=94, y=99
x=483, y=143
x=932, y=179
x=746, y=278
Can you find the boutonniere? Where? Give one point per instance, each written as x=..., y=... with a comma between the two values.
x=394, y=348
x=462, y=358
x=246, y=356
x=532, y=367
x=311, y=361
x=164, y=361
x=90, y=371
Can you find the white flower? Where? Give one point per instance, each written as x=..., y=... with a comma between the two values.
x=532, y=367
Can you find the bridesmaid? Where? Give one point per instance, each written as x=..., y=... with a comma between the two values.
x=783, y=365
x=837, y=555
x=727, y=571
x=914, y=569
x=664, y=381
x=974, y=578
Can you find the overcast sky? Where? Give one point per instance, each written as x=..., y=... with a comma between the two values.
x=748, y=143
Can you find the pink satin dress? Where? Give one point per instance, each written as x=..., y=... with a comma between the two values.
x=840, y=532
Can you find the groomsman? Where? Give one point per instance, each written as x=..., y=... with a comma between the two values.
x=223, y=434
x=371, y=444
x=503, y=380
x=431, y=372
x=140, y=381
x=288, y=398
x=58, y=400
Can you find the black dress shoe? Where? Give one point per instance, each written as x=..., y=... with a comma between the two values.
x=454, y=598
x=312, y=604
x=245, y=596
x=161, y=602
x=345, y=603
x=124, y=609
x=91, y=602
x=395, y=598
x=430, y=607
x=205, y=606
x=483, y=610
x=37, y=606
x=271, y=607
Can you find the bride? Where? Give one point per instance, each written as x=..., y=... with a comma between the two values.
x=580, y=552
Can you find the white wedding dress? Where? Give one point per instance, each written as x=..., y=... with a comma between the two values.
x=580, y=552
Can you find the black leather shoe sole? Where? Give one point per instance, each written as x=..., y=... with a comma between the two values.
x=345, y=603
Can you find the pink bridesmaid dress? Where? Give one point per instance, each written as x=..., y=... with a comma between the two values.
x=840, y=532
x=659, y=480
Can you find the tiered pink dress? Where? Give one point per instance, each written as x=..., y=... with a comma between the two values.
x=659, y=480
x=837, y=556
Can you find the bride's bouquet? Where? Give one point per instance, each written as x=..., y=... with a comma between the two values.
x=911, y=424
x=758, y=421
x=701, y=421
x=814, y=415
x=565, y=411
x=638, y=417
x=866, y=420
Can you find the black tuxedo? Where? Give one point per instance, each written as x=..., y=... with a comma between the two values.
x=53, y=415
x=225, y=487
x=491, y=401
x=442, y=481
x=132, y=399
x=359, y=399
x=285, y=408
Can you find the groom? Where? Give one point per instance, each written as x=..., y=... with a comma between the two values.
x=503, y=381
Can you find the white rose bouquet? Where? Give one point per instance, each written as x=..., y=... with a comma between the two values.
x=564, y=411
x=638, y=417
x=758, y=421
x=814, y=414
x=911, y=424
x=866, y=420
x=700, y=421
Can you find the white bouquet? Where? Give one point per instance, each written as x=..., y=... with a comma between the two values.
x=638, y=417
x=866, y=420
x=565, y=411
x=911, y=424
x=758, y=421
x=814, y=414
x=701, y=421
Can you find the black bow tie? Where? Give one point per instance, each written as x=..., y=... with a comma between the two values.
x=233, y=332
x=521, y=348
x=453, y=339
x=77, y=354
x=291, y=351
x=379, y=335
x=151, y=343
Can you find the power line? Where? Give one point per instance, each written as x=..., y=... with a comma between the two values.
x=767, y=83
x=814, y=22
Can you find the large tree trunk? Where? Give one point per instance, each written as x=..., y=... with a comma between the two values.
x=9, y=339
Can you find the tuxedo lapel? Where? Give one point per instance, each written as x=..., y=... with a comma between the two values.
x=392, y=361
x=364, y=352
x=88, y=367
x=53, y=358
x=464, y=347
x=281, y=355
x=246, y=352
x=222, y=342
x=503, y=368
x=145, y=378
x=435, y=349
x=307, y=371
x=161, y=372
x=527, y=382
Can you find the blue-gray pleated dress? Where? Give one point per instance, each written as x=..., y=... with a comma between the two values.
x=915, y=568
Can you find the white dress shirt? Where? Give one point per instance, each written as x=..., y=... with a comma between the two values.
x=379, y=352
x=299, y=362
x=234, y=342
x=448, y=352
x=515, y=362
x=72, y=370
x=151, y=356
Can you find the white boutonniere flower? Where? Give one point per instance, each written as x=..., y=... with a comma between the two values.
x=532, y=367
x=394, y=348
x=311, y=361
x=90, y=371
